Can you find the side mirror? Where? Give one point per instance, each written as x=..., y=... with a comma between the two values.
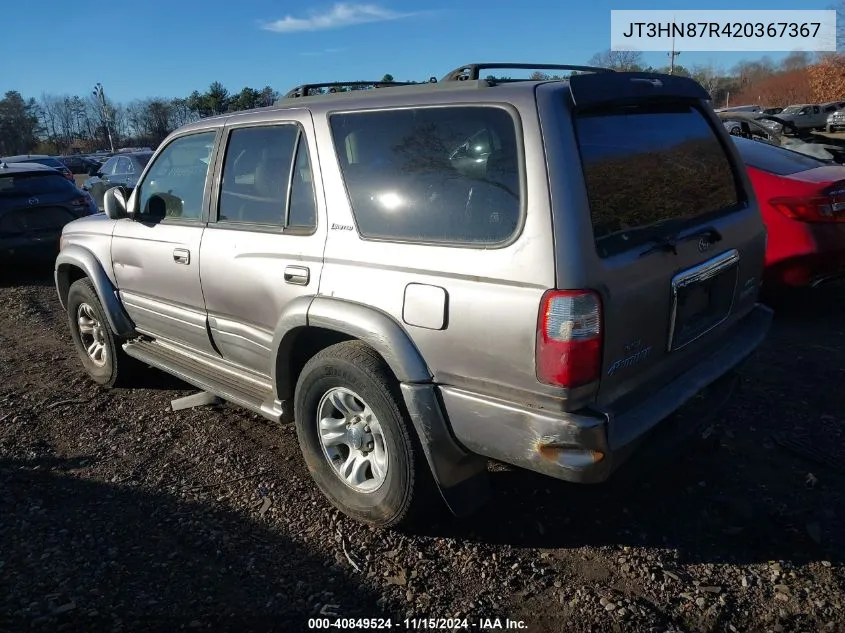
x=114, y=202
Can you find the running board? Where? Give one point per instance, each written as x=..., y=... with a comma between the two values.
x=247, y=390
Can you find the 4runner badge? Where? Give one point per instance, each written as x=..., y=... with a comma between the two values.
x=636, y=354
x=341, y=227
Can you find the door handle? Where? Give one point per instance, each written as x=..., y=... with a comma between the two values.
x=181, y=256
x=299, y=275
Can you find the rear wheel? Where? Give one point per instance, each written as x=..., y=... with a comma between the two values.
x=355, y=437
x=99, y=349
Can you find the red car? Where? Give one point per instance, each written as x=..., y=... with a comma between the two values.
x=802, y=200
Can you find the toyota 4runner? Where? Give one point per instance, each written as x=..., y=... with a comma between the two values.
x=425, y=277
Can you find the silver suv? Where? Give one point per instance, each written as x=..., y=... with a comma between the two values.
x=425, y=277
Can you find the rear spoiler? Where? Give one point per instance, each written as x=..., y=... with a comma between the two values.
x=590, y=90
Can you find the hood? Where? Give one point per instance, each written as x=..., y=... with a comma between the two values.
x=98, y=223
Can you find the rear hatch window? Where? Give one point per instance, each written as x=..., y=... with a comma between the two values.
x=33, y=184
x=651, y=171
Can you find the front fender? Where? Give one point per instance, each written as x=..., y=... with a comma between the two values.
x=76, y=256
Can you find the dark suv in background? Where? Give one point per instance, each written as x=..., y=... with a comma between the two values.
x=36, y=202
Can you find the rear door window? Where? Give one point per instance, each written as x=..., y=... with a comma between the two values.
x=650, y=171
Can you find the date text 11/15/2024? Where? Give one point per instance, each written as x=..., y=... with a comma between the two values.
x=418, y=624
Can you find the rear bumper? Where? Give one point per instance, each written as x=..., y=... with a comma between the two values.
x=588, y=446
x=46, y=244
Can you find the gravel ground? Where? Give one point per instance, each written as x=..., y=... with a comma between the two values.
x=117, y=514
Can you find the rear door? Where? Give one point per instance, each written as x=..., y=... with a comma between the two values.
x=263, y=247
x=674, y=243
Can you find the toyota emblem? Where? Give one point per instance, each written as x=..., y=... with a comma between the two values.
x=703, y=244
x=32, y=201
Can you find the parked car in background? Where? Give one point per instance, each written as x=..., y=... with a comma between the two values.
x=36, y=202
x=742, y=108
x=835, y=120
x=775, y=131
x=573, y=283
x=802, y=200
x=42, y=159
x=123, y=170
x=79, y=163
x=807, y=116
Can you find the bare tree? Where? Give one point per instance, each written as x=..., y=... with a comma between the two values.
x=796, y=60
x=618, y=60
x=750, y=72
x=710, y=76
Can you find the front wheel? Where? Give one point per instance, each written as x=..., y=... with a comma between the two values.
x=99, y=349
x=355, y=437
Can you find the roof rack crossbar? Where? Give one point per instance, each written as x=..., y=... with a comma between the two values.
x=305, y=89
x=473, y=71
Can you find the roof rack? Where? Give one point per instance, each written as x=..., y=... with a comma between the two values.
x=342, y=86
x=473, y=71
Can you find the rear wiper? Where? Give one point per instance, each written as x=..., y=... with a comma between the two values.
x=670, y=242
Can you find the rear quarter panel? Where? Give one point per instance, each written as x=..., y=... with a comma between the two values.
x=490, y=296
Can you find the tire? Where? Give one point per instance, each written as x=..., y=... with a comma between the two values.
x=353, y=375
x=829, y=129
x=112, y=366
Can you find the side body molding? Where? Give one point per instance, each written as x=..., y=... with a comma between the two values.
x=80, y=257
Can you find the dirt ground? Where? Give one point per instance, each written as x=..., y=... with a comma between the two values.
x=117, y=514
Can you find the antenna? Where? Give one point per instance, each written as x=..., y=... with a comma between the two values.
x=674, y=53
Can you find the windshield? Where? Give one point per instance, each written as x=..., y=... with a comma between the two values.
x=792, y=110
x=33, y=184
x=650, y=171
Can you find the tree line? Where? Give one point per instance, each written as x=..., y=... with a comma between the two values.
x=761, y=81
x=58, y=124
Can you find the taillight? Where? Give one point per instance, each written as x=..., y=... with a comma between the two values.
x=569, y=338
x=827, y=206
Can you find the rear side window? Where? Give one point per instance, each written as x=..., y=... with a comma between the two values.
x=33, y=184
x=775, y=160
x=652, y=170
x=440, y=174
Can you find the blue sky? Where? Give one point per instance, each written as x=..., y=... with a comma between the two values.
x=170, y=47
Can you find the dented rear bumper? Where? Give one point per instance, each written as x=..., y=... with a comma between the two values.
x=588, y=446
